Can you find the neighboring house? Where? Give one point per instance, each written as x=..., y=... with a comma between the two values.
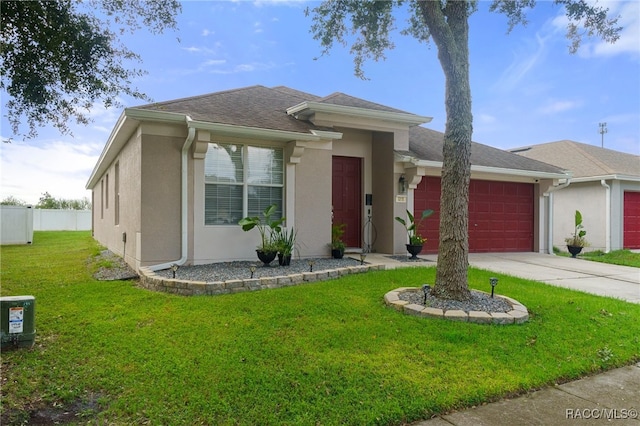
x=175, y=177
x=605, y=188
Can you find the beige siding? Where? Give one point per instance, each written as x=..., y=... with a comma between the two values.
x=105, y=230
x=161, y=199
x=589, y=198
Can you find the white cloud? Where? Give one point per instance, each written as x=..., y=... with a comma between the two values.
x=206, y=32
x=555, y=107
x=628, y=13
x=60, y=168
x=486, y=118
x=248, y=67
x=524, y=62
x=629, y=41
x=203, y=50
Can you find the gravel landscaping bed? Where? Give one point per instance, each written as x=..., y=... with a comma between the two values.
x=408, y=259
x=238, y=270
x=479, y=302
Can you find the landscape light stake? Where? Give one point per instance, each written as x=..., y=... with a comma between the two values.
x=362, y=258
x=426, y=288
x=174, y=268
x=253, y=270
x=494, y=282
x=311, y=263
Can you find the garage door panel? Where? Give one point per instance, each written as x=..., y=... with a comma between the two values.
x=500, y=215
x=631, y=220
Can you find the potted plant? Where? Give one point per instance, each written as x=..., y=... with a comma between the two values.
x=268, y=229
x=416, y=241
x=285, y=242
x=576, y=241
x=337, y=245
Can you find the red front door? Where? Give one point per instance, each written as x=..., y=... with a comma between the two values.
x=347, y=198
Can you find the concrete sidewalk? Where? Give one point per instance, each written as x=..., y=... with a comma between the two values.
x=608, y=398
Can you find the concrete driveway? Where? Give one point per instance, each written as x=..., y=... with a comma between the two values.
x=622, y=282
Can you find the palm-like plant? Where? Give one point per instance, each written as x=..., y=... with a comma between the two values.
x=412, y=226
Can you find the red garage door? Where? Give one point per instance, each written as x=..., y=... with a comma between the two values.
x=631, y=220
x=500, y=215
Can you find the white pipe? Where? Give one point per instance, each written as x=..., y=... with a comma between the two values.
x=607, y=229
x=549, y=194
x=184, y=223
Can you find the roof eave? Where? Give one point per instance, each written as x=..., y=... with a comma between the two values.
x=606, y=177
x=534, y=174
x=306, y=108
x=261, y=133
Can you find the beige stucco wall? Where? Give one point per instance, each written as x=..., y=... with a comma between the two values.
x=105, y=230
x=160, y=223
x=313, y=203
x=589, y=198
x=385, y=186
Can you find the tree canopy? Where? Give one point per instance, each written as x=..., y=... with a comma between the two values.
x=60, y=58
x=368, y=24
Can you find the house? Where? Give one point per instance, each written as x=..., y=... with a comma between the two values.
x=175, y=177
x=605, y=188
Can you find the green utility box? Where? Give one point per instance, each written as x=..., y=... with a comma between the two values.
x=17, y=321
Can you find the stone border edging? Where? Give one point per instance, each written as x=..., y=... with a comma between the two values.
x=152, y=281
x=517, y=315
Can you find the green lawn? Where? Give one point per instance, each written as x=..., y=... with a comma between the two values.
x=326, y=353
x=616, y=257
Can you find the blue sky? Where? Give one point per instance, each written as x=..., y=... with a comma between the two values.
x=526, y=87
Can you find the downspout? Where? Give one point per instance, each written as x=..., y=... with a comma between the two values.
x=549, y=194
x=184, y=208
x=607, y=229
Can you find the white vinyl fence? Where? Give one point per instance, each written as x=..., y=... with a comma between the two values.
x=61, y=220
x=18, y=223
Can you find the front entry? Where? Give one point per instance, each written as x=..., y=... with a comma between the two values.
x=346, y=196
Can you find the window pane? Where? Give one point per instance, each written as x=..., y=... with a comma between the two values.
x=266, y=166
x=223, y=163
x=222, y=204
x=261, y=197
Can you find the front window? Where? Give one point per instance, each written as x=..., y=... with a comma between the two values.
x=241, y=180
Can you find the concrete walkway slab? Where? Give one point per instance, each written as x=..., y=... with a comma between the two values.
x=609, y=398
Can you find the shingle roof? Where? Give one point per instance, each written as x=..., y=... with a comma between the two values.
x=346, y=100
x=426, y=144
x=263, y=107
x=582, y=159
x=255, y=106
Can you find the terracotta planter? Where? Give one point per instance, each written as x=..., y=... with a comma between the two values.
x=414, y=250
x=574, y=250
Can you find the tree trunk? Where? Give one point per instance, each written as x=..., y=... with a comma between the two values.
x=449, y=30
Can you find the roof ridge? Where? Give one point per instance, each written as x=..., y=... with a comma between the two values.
x=188, y=98
x=593, y=159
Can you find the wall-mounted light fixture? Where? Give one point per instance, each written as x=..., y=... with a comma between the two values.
x=402, y=185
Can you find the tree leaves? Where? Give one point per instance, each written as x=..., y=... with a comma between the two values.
x=58, y=60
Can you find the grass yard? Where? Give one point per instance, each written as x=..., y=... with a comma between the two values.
x=616, y=257
x=327, y=353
